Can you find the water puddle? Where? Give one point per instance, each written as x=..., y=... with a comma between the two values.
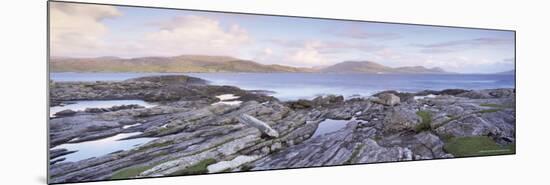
x=228, y=99
x=329, y=126
x=128, y=126
x=82, y=105
x=422, y=97
x=101, y=147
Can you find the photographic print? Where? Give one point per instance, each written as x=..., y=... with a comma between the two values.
x=141, y=92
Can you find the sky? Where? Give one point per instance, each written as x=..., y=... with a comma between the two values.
x=86, y=30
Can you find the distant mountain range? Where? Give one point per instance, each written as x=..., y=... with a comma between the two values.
x=184, y=63
x=372, y=67
x=205, y=64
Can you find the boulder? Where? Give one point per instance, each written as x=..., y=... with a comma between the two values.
x=403, y=96
x=122, y=107
x=260, y=125
x=502, y=93
x=65, y=113
x=300, y=104
x=327, y=100
x=388, y=99
x=96, y=110
x=401, y=119
x=236, y=162
x=433, y=144
x=452, y=92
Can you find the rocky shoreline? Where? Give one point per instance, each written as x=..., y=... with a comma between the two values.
x=194, y=133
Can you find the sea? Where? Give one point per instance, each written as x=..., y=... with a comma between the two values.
x=291, y=86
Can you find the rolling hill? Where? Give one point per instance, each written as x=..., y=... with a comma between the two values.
x=375, y=68
x=183, y=63
x=207, y=64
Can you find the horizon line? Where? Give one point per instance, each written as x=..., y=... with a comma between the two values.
x=311, y=67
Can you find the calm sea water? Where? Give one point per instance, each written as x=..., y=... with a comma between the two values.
x=288, y=86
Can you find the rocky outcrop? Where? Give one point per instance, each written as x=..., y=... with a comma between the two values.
x=320, y=101
x=331, y=149
x=192, y=134
x=497, y=124
x=371, y=152
x=166, y=88
x=65, y=113
x=488, y=93
x=114, y=108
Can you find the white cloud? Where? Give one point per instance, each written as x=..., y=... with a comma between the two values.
x=268, y=51
x=264, y=55
x=461, y=45
x=196, y=35
x=77, y=29
x=308, y=55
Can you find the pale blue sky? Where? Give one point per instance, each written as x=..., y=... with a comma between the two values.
x=137, y=32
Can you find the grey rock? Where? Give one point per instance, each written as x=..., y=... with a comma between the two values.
x=260, y=125
x=388, y=99
x=65, y=113
x=488, y=93
x=234, y=163
x=400, y=119
x=329, y=100
x=188, y=128
x=433, y=144
x=471, y=125
x=55, y=153
x=372, y=152
x=300, y=104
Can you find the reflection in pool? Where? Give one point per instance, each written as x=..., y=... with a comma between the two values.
x=329, y=126
x=82, y=105
x=101, y=147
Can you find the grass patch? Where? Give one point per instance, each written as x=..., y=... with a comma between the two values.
x=134, y=171
x=446, y=137
x=378, y=137
x=493, y=105
x=156, y=145
x=195, y=169
x=488, y=111
x=354, y=154
x=476, y=146
x=226, y=170
x=130, y=172
x=426, y=121
x=168, y=130
x=246, y=168
x=199, y=168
